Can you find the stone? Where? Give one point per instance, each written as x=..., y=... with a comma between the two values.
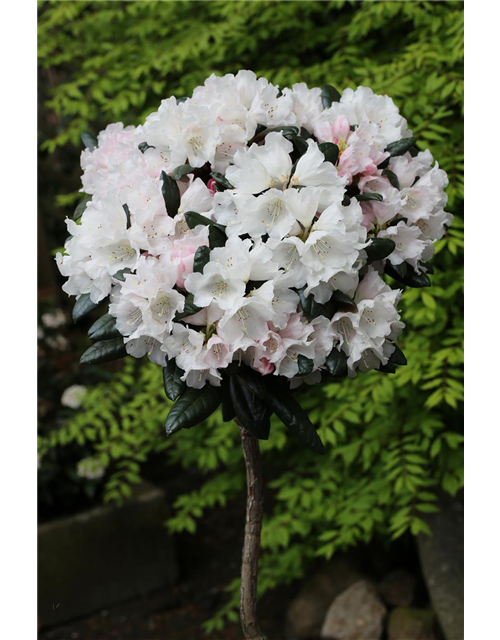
x=307, y=611
x=103, y=556
x=442, y=560
x=356, y=614
x=406, y=623
x=398, y=588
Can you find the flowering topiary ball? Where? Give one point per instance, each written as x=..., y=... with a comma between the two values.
x=242, y=237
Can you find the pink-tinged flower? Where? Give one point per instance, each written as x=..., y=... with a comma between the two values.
x=182, y=255
x=263, y=366
x=211, y=185
x=340, y=130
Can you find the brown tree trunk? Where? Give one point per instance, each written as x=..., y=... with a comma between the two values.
x=251, y=545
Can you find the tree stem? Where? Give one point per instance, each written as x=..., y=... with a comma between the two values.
x=251, y=545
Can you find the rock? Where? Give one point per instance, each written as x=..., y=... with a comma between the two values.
x=356, y=614
x=442, y=559
x=411, y=624
x=398, y=588
x=103, y=556
x=307, y=611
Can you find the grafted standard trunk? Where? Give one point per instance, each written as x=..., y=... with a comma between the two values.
x=251, y=544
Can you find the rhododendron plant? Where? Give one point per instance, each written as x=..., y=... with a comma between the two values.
x=243, y=238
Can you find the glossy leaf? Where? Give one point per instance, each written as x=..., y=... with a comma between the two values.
x=201, y=257
x=336, y=363
x=216, y=236
x=398, y=357
x=104, y=328
x=171, y=194
x=405, y=274
x=380, y=248
x=250, y=408
x=400, y=147
x=329, y=95
x=300, y=144
x=287, y=130
x=104, y=351
x=127, y=213
x=181, y=171
x=310, y=307
x=83, y=306
x=120, y=275
x=192, y=407
x=392, y=177
x=343, y=302
x=330, y=151
x=221, y=181
x=289, y=411
x=366, y=197
x=306, y=365
x=81, y=206
x=194, y=219
x=172, y=382
x=89, y=141
x=144, y=146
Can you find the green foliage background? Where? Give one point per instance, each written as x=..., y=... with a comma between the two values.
x=392, y=441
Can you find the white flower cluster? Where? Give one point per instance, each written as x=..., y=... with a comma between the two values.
x=279, y=199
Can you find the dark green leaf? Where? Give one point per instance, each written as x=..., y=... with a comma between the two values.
x=310, y=307
x=144, y=146
x=343, y=302
x=328, y=95
x=127, y=213
x=120, y=275
x=392, y=177
x=181, y=99
x=189, y=308
x=172, y=382
x=181, y=171
x=330, y=151
x=387, y=368
x=380, y=248
x=193, y=406
x=171, y=194
x=81, y=206
x=221, y=181
x=289, y=411
x=217, y=232
x=250, y=409
x=216, y=236
x=400, y=147
x=286, y=130
x=306, y=366
x=384, y=164
x=193, y=219
x=104, y=351
x=104, y=328
x=346, y=201
x=300, y=144
x=336, y=363
x=228, y=412
x=83, y=306
x=366, y=197
x=398, y=357
x=405, y=274
x=89, y=142
x=201, y=257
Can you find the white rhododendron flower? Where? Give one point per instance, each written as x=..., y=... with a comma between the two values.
x=251, y=226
